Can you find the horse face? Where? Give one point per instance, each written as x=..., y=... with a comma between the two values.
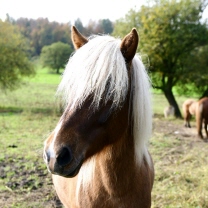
x=84, y=132
x=81, y=134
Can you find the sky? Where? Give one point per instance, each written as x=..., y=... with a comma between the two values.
x=64, y=11
x=68, y=10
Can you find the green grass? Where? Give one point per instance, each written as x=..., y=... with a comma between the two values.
x=181, y=165
x=30, y=113
x=27, y=116
x=181, y=172
x=45, y=76
x=35, y=93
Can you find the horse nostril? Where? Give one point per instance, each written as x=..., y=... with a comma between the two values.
x=64, y=157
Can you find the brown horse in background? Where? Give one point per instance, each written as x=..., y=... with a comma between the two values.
x=202, y=116
x=98, y=153
x=188, y=109
x=200, y=110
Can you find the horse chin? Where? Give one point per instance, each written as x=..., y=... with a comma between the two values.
x=74, y=172
x=68, y=173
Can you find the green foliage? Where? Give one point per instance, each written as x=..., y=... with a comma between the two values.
x=41, y=32
x=14, y=57
x=196, y=80
x=107, y=26
x=170, y=31
x=56, y=55
x=125, y=25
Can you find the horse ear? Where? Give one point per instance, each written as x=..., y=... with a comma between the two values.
x=77, y=38
x=129, y=45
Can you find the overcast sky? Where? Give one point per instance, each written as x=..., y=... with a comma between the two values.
x=69, y=10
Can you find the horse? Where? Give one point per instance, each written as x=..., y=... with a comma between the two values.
x=98, y=152
x=200, y=110
x=201, y=113
x=188, y=108
x=169, y=111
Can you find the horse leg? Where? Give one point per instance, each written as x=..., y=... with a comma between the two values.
x=199, y=128
x=205, y=127
x=185, y=123
x=188, y=120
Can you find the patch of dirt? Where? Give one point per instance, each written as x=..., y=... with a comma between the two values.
x=176, y=128
x=26, y=185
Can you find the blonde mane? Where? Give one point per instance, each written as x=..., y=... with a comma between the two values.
x=90, y=69
x=98, y=64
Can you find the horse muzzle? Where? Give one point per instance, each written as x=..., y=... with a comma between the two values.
x=63, y=164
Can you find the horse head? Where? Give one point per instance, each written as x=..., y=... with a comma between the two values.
x=97, y=94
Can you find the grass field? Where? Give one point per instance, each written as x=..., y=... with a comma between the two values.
x=28, y=114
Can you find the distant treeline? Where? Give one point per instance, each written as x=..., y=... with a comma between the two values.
x=41, y=32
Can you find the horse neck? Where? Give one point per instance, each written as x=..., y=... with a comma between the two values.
x=113, y=163
x=116, y=178
x=112, y=174
x=115, y=168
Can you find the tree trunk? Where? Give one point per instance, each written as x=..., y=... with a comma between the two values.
x=57, y=71
x=172, y=101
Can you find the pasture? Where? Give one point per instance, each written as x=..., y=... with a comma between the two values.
x=30, y=113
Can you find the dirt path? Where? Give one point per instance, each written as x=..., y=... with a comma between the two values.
x=174, y=127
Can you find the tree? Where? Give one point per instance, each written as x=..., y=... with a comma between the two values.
x=78, y=24
x=102, y=26
x=196, y=81
x=14, y=60
x=55, y=56
x=170, y=30
x=41, y=32
x=107, y=26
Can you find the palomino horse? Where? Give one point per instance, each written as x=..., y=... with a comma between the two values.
x=97, y=153
x=200, y=110
x=201, y=114
x=188, y=108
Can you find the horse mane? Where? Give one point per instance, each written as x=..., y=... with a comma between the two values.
x=98, y=64
x=142, y=112
x=83, y=75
